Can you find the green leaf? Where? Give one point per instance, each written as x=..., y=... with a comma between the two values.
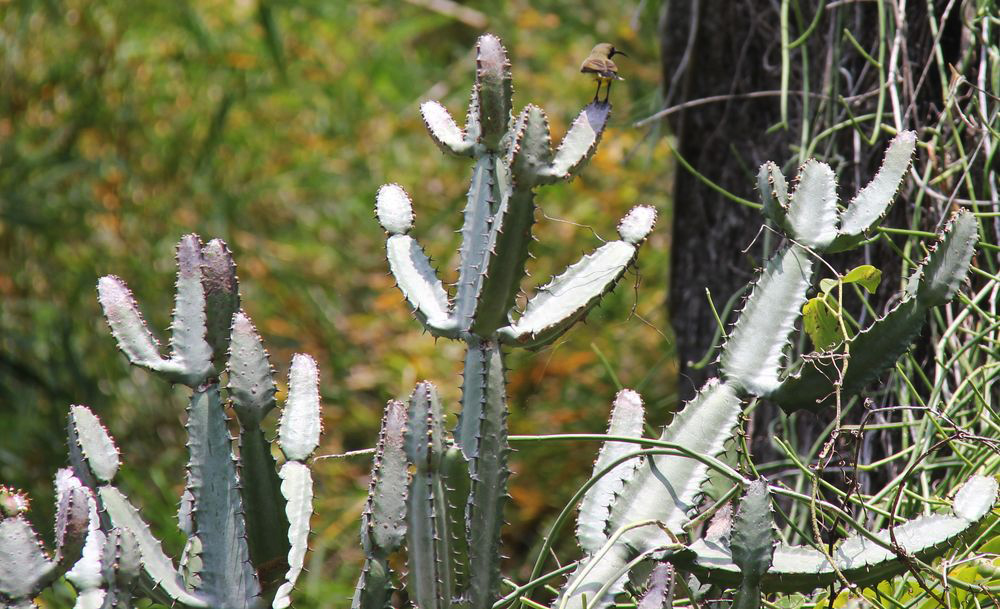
x=865, y=275
x=826, y=285
x=821, y=323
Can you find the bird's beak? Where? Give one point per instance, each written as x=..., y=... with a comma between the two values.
x=617, y=52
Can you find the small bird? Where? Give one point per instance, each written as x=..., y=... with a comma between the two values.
x=600, y=65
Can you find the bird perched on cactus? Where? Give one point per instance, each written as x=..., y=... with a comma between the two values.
x=599, y=64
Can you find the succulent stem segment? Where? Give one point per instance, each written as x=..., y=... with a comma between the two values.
x=456, y=495
x=247, y=519
x=25, y=567
x=666, y=488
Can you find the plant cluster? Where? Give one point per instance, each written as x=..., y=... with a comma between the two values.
x=441, y=494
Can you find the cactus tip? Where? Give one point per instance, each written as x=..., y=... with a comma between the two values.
x=637, y=223
x=13, y=502
x=394, y=209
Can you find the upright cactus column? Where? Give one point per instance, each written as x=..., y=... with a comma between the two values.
x=454, y=556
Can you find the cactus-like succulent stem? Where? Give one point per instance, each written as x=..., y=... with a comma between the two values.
x=569, y=297
x=753, y=539
x=230, y=511
x=595, y=508
x=494, y=89
x=488, y=472
x=664, y=489
x=878, y=346
x=812, y=208
x=251, y=388
x=752, y=357
x=510, y=161
x=861, y=559
x=226, y=576
x=383, y=521
x=428, y=537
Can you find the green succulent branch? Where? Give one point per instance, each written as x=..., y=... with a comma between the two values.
x=456, y=494
x=246, y=519
x=742, y=551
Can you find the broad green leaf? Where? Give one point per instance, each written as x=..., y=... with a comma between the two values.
x=866, y=276
x=826, y=285
x=821, y=323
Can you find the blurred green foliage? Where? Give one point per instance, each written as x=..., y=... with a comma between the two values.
x=125, y=124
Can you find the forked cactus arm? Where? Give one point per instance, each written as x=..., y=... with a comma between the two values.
x=222, y=560
x=191, y=355
x=664, y=488
x=510, y=160
x=877, y=347
x=409, y=264
x=569, y=297
x=251, y=389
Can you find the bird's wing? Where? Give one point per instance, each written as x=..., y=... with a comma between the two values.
x=598, y=65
